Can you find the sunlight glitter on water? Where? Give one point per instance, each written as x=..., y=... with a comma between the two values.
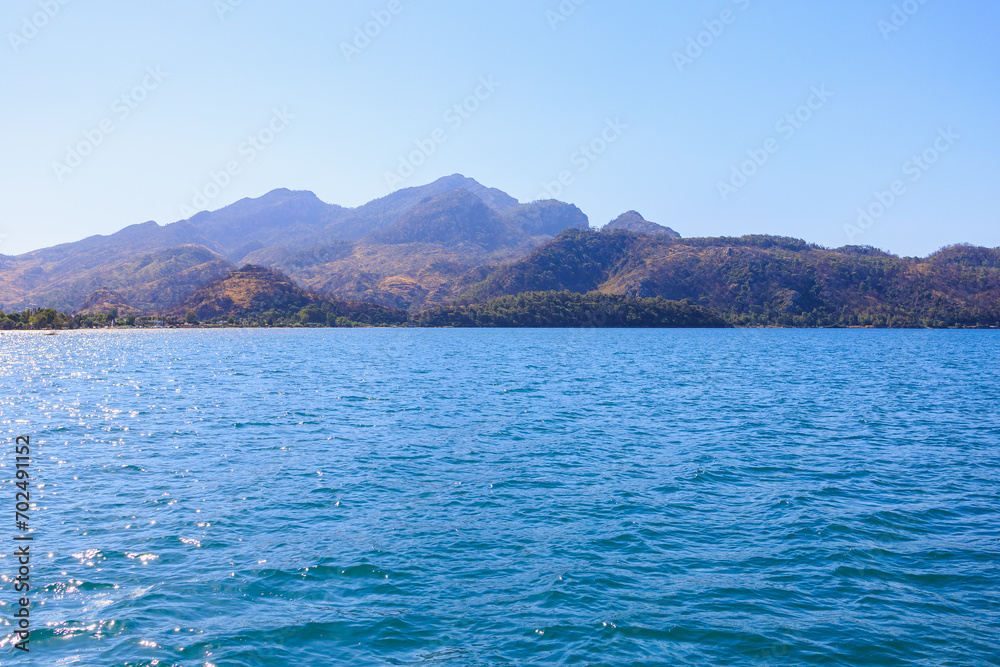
x=618, y=497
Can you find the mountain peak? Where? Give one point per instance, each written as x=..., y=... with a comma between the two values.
x=453, y=217
x=630, y=216
x=496, y=199
x=277, y=197
x=634, y=222
x=271, y=219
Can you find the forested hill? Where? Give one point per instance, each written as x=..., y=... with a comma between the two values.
x=766, y=280
x=258, y=295
x=568, y=310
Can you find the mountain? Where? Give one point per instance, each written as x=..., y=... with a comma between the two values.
x=104, y=300
x=381, y=212
x=633, y=222
x=764, y=280
x=457, y=241
x=261, y=294
x=415, y=247
x=454, y=219
x=281, y=217
x=545, y=219
x=149, y=266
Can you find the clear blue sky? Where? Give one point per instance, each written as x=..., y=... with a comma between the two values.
x=560, y=83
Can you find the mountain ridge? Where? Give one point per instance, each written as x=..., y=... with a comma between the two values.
x=765, y=280
x=454, y=243
x=325, y=247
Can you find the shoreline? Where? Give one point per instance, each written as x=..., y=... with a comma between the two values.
x=51, y=332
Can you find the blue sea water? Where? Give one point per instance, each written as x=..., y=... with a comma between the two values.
x=502, y=497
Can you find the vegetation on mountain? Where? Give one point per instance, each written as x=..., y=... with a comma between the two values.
x=104, y=301
x=577, y=261
x=250, y=296
x=765, y=280
x=257, y=295
x=569, y=310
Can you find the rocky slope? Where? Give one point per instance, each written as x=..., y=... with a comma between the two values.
x=633, y=222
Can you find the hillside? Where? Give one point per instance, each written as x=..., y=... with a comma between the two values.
x=67, y=277
x=418, y=246
x=762, y=280
x=259, y=294
x=568, y=310
x=105, y=301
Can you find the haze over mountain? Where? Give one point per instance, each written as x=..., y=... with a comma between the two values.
x=418, y=245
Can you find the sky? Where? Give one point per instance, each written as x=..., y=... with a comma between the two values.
x=865, y=122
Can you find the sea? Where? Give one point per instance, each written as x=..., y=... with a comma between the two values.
x=500, y=497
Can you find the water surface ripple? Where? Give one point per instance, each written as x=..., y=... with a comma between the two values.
x=494, y=497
